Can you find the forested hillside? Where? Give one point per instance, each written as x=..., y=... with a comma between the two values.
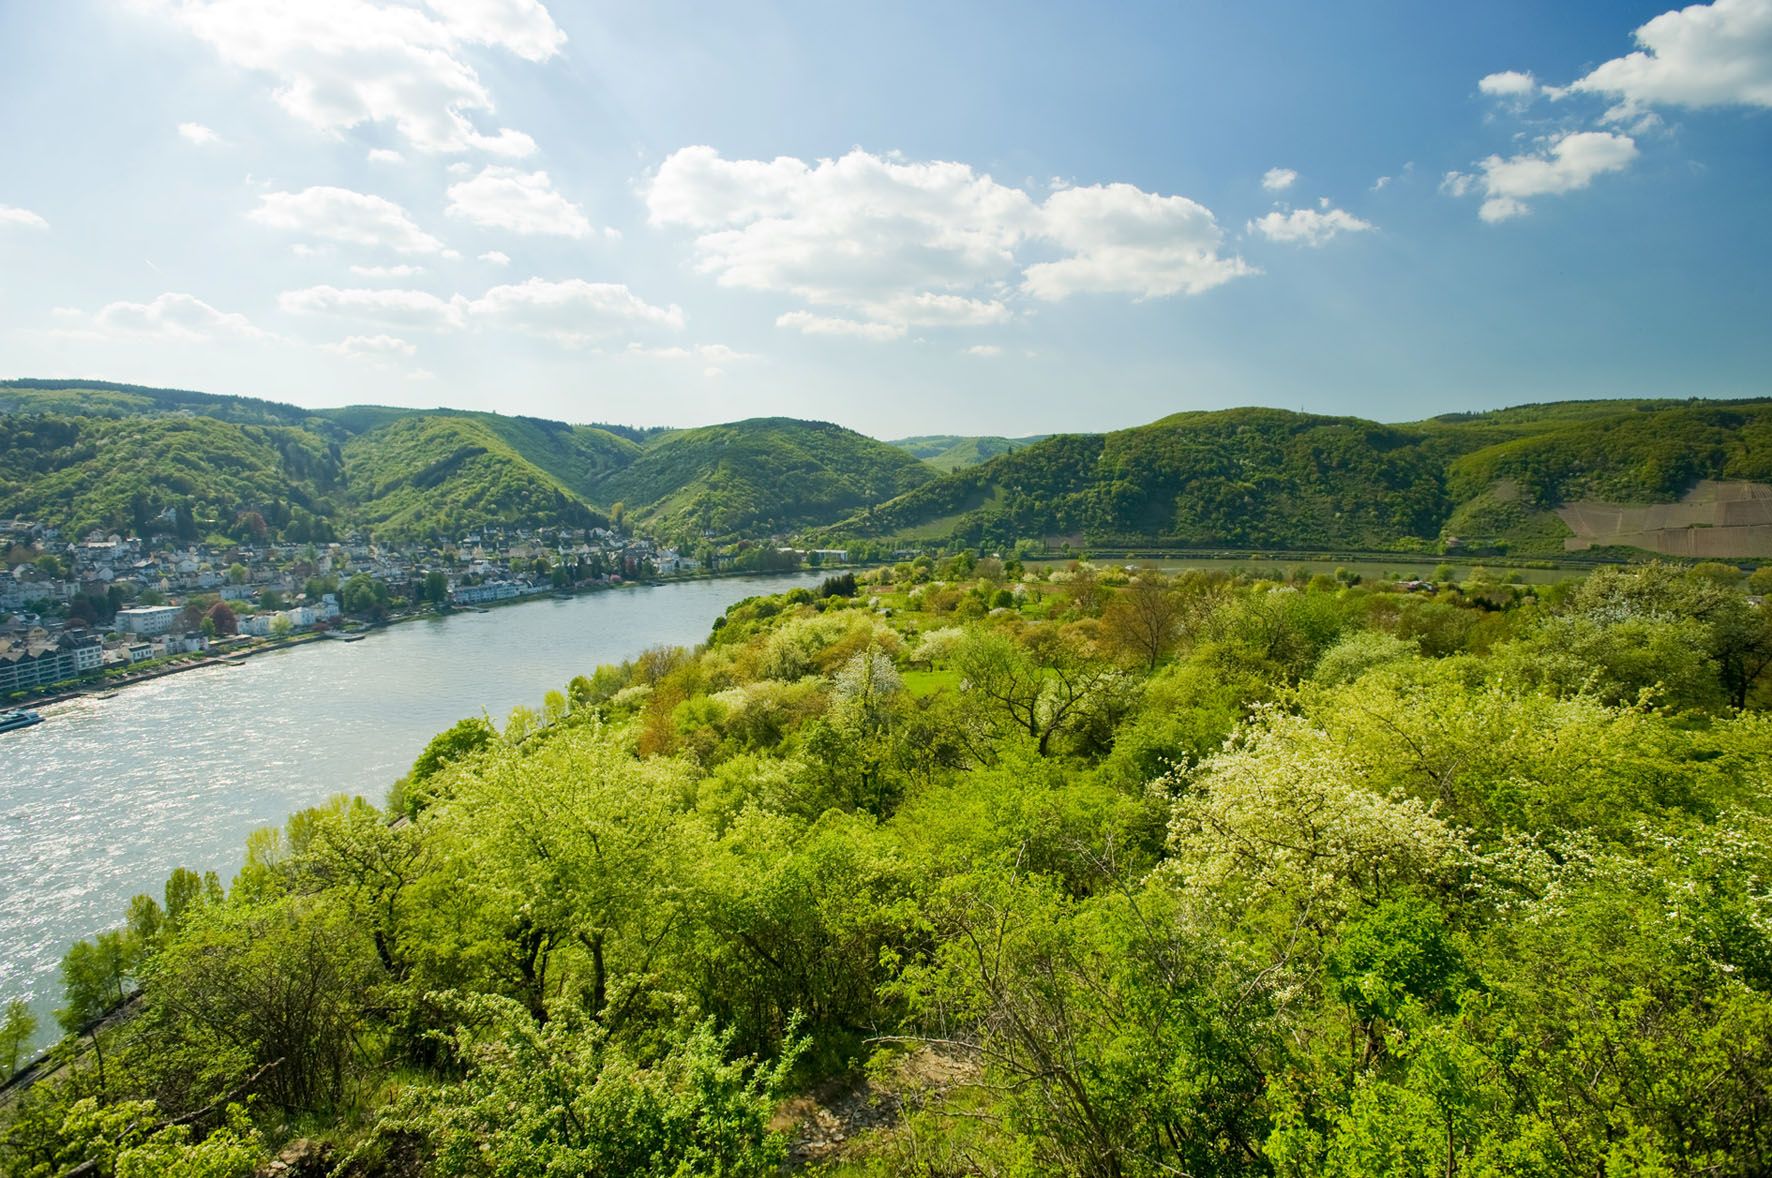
x=1248, y=478
x=410, y=474
x=947, y=452
x=768, y=474
x=974, y=869
x=1241, y=479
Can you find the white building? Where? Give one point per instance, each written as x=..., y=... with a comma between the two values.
x=148, y=619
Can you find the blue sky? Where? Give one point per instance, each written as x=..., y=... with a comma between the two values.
x=908, y=218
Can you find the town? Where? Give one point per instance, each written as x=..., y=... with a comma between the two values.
x=103, y=607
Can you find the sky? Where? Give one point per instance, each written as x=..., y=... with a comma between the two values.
x=908, y=218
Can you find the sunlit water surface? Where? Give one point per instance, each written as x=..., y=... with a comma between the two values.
x=106, y=797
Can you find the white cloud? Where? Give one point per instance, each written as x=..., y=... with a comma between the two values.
x=496, y=258
x=571, y=312
x=902, y=244
x=1311, y=227
x=943, y=310
x=986, y=350
x=401, y=271
x=173, y=316
x=522, y=26
x=399, y=308
x=372, y=346
x=338, y=214
x=702, y=353
x=385, y=155
x=523, y=202
x=1278, y=179
x=1703, y=55
x=855, y=231
x=420, y=374
x=809, y=324
x=1127, y=241
x=339, y=64
x=1569, y=163
x=199, y=134
x=23, y=218
x=1509, y=84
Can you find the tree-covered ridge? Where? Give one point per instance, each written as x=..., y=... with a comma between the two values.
x=187, y=475
x=1103, y=873
x=765, y=474
x=428, y=476
x=1247, y=477
x=949, y=452
x=1268, y=478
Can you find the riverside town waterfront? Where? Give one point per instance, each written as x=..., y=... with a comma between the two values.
x=107, y=796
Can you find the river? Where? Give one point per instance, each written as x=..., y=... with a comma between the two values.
x=106, y=797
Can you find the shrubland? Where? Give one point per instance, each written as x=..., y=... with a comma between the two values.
x=1090, y=871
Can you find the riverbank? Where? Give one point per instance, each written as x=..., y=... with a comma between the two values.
x=105, y=686
x=106, y=798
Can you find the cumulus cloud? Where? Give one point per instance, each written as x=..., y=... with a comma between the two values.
x=339, y=214
x=1278, y=179
x=401, y=271
x=372, y=346
x=701, y=353
x=385, y=155
x=571, y=312
x=339, y=64
x=1311, y=227
x=496, y=258
x=12, y=215
x=522, y=202
x=852, y=231
x=173, y=316
x=1509, y=84
x=985, y=350
x=1703, y=55
x=807, y=323
x=899, y=244
x=522, y=26
x=1567, y=164
x=1123, y=240
x=393, y=307
x=199, y=134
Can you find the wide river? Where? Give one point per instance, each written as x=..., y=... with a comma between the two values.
x=106, y=797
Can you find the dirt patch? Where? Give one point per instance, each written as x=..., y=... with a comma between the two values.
x=823, y=1123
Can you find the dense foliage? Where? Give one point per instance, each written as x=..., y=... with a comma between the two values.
x=1254, y=478
x=948, y=452
x=117, y=457
x=763, y=475
x=1091, y=871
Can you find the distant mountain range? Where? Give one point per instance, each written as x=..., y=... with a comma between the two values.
x=1529, y=479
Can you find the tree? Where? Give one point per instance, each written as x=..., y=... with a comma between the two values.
x=1143, y=619
x=281, y=626
x=286, y=980
x=365, y=596
x=15, y=1035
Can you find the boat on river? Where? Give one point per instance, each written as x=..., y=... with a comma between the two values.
x=19, y=719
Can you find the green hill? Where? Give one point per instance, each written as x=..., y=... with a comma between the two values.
x=203, y=475
x=766, y=474
x=431, y=475
x=1526, y=479
x=1258, y=478
x=950, y=452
